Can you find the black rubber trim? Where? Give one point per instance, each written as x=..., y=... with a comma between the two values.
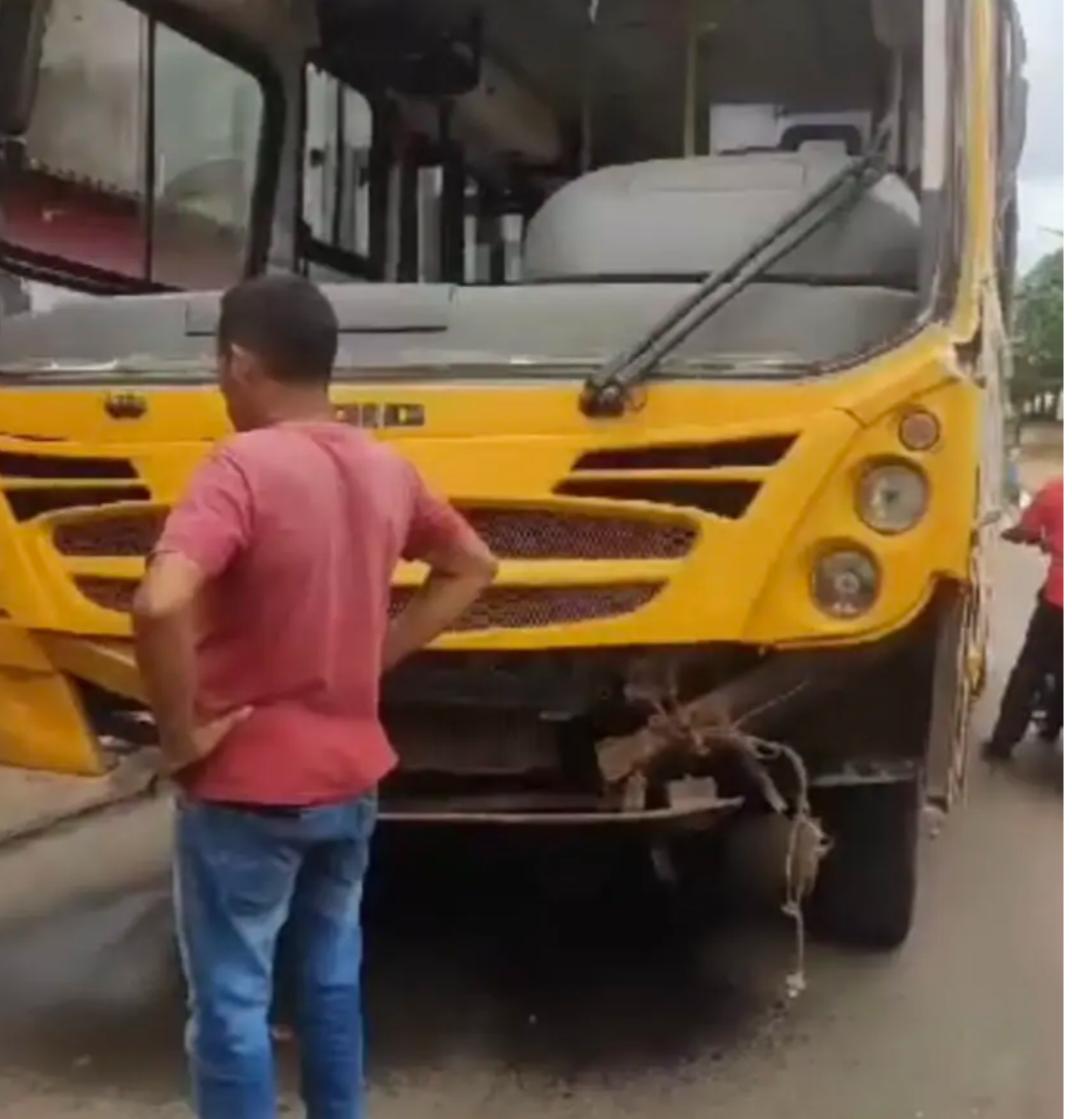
x=26, y=504
x=66, y=272
x=15, y=464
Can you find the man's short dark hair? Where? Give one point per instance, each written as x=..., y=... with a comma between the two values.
x=284, y=320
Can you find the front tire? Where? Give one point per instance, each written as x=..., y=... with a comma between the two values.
x=866, y=889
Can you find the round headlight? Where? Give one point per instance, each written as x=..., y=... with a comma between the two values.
x=892, y=497
x=919, y=430
x=845, y=583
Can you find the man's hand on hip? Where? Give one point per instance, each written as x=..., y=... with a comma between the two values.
x=182, y=750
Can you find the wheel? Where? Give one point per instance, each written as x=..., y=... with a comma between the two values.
x=865, y=893
x=952, y=688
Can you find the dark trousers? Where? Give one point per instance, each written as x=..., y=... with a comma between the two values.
x=1042, y=654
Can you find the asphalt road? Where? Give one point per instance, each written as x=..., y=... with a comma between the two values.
x=491, y=997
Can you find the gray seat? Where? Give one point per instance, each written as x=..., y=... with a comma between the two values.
x=687, y=217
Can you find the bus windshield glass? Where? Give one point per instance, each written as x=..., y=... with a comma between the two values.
x=601, y=164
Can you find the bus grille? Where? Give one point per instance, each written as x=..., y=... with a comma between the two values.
x=757, y=451
x=526, y=607
x=124, y=534
x=498, y=608
x=521, y=534
x=687, y=475
x=535, y=534
x=724, y=498
x=111, y=594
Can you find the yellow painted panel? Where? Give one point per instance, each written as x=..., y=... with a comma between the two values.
x=745, y=580
x=42, y=726
x=108, y=664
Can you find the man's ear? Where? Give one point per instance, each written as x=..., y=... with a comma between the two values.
x=243, y=366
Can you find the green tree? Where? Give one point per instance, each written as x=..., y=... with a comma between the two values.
x=1038, y=336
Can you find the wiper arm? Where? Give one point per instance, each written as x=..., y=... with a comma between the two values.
x=606, y=392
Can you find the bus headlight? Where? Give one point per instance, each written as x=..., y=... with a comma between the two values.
x=892, y=497
x=845, y=583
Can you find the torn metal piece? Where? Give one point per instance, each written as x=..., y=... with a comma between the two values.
x=619, y=757
x=666, y=730
x=703, y=727
x=635, y=794
x=690, y=792
x=715, y=719
x=764, y=782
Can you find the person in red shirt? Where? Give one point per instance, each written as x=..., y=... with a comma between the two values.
x=262, y=632
x=1042, y=655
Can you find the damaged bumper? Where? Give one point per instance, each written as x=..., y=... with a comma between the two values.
x=651, y=737
x=705, y=812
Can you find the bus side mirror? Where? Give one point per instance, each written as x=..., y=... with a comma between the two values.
x=22, y=28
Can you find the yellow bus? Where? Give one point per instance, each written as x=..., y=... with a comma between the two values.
x=696, y=310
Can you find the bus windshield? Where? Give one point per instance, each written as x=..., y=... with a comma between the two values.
x=551, y=170
x=552, y=186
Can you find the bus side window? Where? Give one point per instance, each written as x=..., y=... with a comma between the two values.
x=78, y=195
x=1011, y=124
x=207, y=122
x=385, y=199
x=336, y=226
x=139, y=158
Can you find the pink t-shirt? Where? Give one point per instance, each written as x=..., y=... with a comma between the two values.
x=299, y=528
x=1044, y=522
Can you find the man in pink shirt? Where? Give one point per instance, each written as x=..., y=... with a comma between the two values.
x=262, y=633
x=1042, y=655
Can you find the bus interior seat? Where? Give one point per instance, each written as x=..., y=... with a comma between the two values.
x=681, y=219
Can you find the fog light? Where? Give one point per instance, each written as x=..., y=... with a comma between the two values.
x=892, y=497
x=845, y=583
x=919, y=430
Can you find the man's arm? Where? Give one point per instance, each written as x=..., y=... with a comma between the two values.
x=460, y=571
x=165, y=643
x=460, y=567
x=1017, y=534
x=205, y=532
x=1031, y=528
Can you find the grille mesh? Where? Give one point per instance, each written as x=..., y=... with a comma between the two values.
x=547, y=535
x=524, y=607
x=112, y=594
x=498, y=608
x=125, y=534
x=523, y=534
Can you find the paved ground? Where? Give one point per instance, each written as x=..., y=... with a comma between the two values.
x=488, y=1002
x=31, y=802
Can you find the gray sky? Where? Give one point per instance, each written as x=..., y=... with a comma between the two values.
x=1041, y=203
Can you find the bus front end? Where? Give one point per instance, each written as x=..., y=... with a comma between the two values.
x=731, y=422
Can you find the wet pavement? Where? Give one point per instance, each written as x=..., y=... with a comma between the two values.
x=493, y=992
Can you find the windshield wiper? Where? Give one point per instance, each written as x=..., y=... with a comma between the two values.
x=606, y=392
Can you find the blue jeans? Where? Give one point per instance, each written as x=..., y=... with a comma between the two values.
x=239, y=875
